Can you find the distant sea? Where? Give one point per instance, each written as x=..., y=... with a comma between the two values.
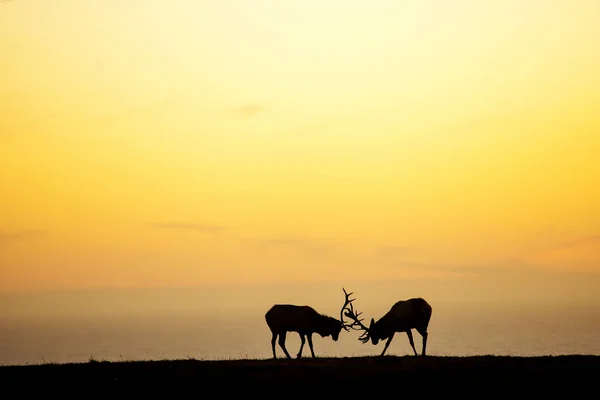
x=454, y=331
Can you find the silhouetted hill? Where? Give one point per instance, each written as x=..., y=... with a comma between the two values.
x=389, y=376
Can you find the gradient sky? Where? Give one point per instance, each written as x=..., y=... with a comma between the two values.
x=180, y=143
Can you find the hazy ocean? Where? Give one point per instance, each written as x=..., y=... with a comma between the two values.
x=454, y=331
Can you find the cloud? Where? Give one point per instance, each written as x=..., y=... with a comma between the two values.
x=304, y=245
x=396, y=251
x=139, y=111
x=444, y=270
x=248, y=110
x=593, y=240
x=316, y=127
x=442, y=261
x=6, y=238
x=580, y=253
x=184, y=226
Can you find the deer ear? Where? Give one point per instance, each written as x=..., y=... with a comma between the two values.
x=372, y=321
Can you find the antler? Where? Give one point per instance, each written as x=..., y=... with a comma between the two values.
x=347, y=302
x=352, y=314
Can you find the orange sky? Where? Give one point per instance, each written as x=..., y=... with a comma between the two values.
x=153, y=143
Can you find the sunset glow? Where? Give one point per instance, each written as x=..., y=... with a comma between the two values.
x=180, y=143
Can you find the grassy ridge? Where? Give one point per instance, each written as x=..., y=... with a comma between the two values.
x=548, y=374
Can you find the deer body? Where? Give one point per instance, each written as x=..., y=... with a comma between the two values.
x=304, y=320
x=403, y=316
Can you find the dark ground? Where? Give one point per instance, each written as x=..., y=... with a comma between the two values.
x=389, y=376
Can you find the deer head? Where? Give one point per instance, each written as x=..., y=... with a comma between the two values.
x=348, y=311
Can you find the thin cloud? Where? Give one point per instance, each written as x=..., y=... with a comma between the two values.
x=304, y=245
x=579, y=253
x=582, y=240
x=444, y=270
x=248, y=110
x=326, y=124
x=133, y=112
x=184, y=226
x=8, y=237
x=316, y=127
x=396, y=251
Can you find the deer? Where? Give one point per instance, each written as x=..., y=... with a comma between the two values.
x=403, y=316
x=305, y=320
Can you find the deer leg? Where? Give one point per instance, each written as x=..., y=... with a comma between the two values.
x=424, y=334
x=282, y=344
x=310, y=344
x=301, y=345
x=387, y=344
x=412, y=342
x=273, y=340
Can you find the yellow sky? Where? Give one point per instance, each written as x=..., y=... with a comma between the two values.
x=148, y=143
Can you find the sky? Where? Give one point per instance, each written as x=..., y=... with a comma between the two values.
x=449, y=146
